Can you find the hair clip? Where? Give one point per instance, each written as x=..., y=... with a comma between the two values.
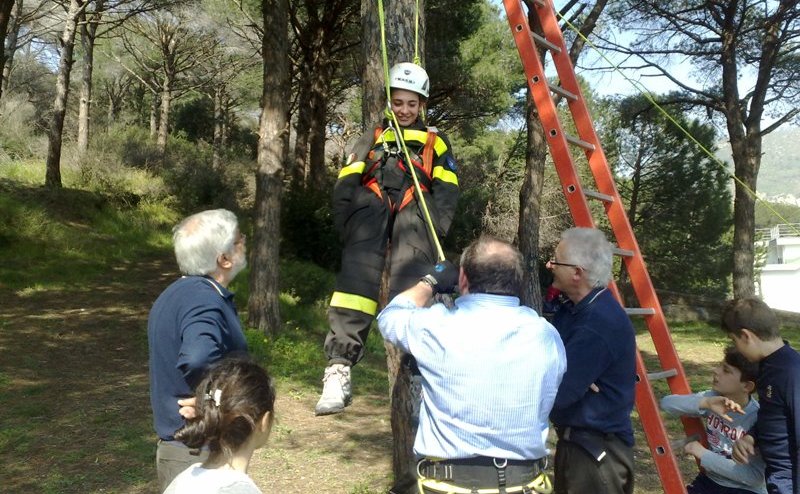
x=217, y=396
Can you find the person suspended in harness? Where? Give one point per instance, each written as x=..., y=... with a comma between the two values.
x=375, y=205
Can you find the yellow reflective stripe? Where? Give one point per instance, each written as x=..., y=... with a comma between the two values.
x=420, y=136
x=445, y=175
x=354, y=302
x=355, y=167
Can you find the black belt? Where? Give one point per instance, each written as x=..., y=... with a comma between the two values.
x=572, y=433
x=482, y=472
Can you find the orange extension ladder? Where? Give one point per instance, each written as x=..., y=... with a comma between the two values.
x=552, y=41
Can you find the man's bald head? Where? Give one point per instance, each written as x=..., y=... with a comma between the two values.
x=493, y=266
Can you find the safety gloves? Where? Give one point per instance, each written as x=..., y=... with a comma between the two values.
x=443, y=277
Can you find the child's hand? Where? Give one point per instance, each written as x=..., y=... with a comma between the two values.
x=743, y=449
x=188, y=410
x=695, y=449
x=721, y=406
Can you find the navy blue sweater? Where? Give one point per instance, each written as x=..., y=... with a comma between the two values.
x=192, y=324
x=777, y=430
x=601, y=349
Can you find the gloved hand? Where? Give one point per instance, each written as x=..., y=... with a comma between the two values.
x=443, y=277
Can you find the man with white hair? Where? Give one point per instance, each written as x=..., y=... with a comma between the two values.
x=192, y=324
x=592, y=409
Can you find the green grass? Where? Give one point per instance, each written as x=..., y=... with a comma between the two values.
x=63, y=238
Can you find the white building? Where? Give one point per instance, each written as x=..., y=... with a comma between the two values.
x=779, y=277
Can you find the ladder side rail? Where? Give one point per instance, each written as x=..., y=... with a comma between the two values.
x=623, y=231
x=645, y=399
x=548, y=114
x=654, y=430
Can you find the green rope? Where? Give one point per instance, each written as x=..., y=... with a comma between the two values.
x=646, y=93
x=399, y=134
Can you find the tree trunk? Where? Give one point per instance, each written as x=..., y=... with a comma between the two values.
x=5, y=15
x=319, y=121
x=219, y=121
x=530, y=206
x=88, y=33
x=535, y=160
x=400, y=47
x=155, y=103
x=55, y=135
x=400, y=28
x=747, y=161
x=302, y=131
x=263, y=306
x=163, y=118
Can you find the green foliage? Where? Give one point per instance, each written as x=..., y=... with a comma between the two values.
x=17, y=123
x=307, y=227
x=186, y=172
x=766, y=217
x=193, y=117
x=677, y=197
x=465, y=43
x=63, y=237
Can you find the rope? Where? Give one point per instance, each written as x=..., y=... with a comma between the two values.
x=646, y=93
x=395, y=125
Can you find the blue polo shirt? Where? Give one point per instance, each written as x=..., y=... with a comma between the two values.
x=601, y=349
x=777, y=430
x=192, y=324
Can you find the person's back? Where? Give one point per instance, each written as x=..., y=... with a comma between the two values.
x=181, y=350
x=485, y=389
x=753, y=327
x=199, y=480
x=490, y=371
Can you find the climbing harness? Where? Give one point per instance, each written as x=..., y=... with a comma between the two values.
x=442, y=477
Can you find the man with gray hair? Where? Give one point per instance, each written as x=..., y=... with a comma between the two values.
x=192, y=324
x=592, y=410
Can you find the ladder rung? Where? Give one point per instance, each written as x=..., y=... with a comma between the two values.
x=543, y=41
x=598, y=195
x=622, y=252
x=563, y=92
x=640, y=311
x=678, y=444
x=579, y=142
x=662, y=374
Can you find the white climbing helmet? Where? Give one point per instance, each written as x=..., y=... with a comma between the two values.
x=409, y=76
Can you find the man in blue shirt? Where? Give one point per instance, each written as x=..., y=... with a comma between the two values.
x=490, y=371
x=192, y=324
x=592, y=410
x=753, y=327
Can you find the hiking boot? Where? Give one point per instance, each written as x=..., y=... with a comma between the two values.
x=336, y=394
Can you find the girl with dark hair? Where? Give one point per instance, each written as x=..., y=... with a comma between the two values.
x=233, y=418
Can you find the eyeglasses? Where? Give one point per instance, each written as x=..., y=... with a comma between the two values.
x=553, y=262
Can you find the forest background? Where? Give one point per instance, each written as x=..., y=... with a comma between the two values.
x=155, y=109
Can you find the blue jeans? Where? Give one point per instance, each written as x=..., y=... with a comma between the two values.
x=704, y=485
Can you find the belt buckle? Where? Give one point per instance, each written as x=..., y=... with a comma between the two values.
x=432, y=470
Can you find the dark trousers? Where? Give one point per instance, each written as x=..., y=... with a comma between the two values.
x=578, y=472
x=366, y=234
x=704, y=485
x=172, y=458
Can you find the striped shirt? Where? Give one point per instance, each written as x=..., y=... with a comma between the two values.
x=490, y=372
